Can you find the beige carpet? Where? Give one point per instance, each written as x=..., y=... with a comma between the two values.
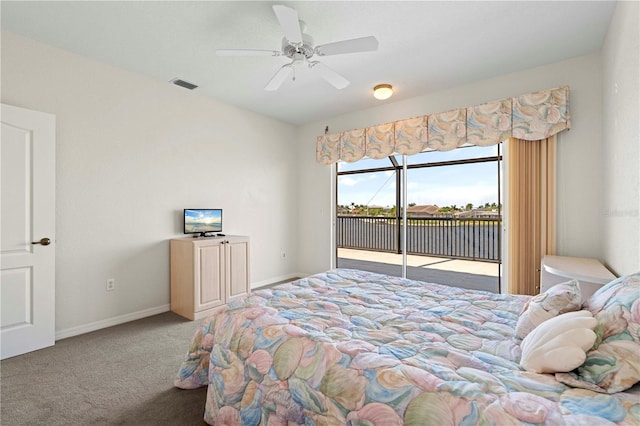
x=121, y=375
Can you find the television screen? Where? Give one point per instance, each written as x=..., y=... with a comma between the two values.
x=202, y=221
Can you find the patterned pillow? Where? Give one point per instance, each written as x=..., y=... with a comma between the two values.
x=614, y=363
x=559, y=299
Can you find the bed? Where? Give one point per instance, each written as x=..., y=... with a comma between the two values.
x=360, y=348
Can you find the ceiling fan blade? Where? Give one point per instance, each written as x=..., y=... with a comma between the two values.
x=247, y=52
x=289, y=22
x=279, y=78
x=335, y=79
x=363, y=44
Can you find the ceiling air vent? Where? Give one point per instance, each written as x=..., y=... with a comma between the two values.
x=183, y=83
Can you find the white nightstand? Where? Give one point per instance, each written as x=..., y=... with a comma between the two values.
x=590, y=273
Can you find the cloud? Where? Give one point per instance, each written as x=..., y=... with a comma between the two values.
x=348, y=181
x=446, y=195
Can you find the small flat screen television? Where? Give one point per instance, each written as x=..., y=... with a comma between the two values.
x=202, y=221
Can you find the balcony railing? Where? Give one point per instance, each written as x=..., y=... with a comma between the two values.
x=468, y=238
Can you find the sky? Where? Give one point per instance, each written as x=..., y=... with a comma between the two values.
x=441, y=186
x=208, y=216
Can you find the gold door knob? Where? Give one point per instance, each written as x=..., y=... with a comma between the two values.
x=44, y=242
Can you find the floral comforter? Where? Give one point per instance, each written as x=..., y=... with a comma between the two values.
x=354, y=347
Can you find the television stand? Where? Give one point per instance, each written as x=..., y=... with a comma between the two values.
x=207, y=273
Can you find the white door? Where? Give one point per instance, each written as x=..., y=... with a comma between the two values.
x=27, y=238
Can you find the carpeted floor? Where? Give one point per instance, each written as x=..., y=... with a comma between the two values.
x=121, y=375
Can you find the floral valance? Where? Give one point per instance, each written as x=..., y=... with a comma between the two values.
x=532, y=116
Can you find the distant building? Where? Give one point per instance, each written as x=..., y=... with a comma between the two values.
x=481, y=213
x=423, y=211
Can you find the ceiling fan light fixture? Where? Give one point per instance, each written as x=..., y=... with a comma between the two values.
x=383, y=91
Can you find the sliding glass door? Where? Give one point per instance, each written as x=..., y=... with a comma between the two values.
x=453, y=217
x=367, y=223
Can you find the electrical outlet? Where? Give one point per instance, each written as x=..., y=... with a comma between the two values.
x=111, y=284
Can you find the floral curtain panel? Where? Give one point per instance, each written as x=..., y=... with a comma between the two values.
x=532, y=116
x=489, y=123
x=411, y=136
x=447, y=130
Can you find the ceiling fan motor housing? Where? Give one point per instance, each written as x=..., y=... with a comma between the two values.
x=289, y=50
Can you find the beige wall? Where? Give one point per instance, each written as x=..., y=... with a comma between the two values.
x=619, y=213
x=579, y=154
x=132, y=152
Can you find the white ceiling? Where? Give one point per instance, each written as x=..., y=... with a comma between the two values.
x=424, y=46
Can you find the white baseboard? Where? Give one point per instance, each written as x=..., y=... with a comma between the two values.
x=110, y=322
x=270, y=281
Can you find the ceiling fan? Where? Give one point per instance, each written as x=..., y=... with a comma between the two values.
x=299, y=47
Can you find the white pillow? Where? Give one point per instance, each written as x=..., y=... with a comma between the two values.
x=559, y=344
